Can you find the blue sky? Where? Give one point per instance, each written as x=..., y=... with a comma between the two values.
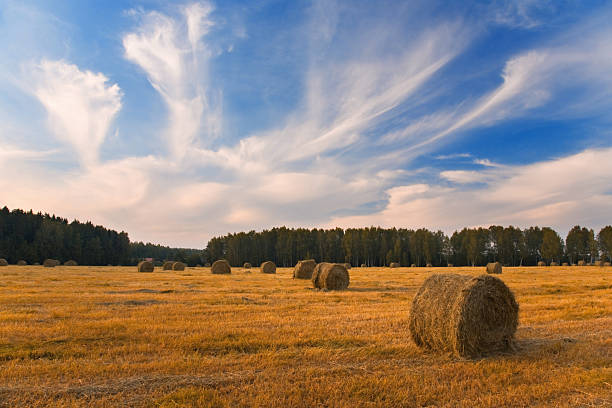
x=179, y=121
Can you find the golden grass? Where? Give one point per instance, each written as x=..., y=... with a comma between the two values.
x=110, y=336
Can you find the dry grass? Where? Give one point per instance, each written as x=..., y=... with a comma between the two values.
x=110, y=336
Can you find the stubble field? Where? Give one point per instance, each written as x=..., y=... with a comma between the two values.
x=110, y=336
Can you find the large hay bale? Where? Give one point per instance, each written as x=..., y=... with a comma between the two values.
x=71, y=262
x=247, y=265
x=468, y=316
x=494, y=267
x=541, y=263
x=428, y=265
x=3, y=262
x=553, y=263
x=146, y=266
x=581, y=263
x=347, y=265
x=268, y=267
x=50, y=263
x=330, y=276
x=167, y=266
x=22, y=263
x=394, y=265
x=178, y=266
x=221, y=267
x=303, y=269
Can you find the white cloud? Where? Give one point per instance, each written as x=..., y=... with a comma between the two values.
x=81, y=105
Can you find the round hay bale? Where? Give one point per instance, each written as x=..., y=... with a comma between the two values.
x=167, y=266
x=207, y=265
x=413, y=265
x=146, y=266
x=247, y=265
x=268, y=267
x=554, y=263
x=494, y=267
x=50, y=263
x=22, y=263
x=564, y=264
x=450, y=265
x=3, y=262
x=178, y=266
x=428, y=265
x=581, y=263
x=330, y=276
x=468, y=316
x=606, y=264
x=221, y=267
x=364, y=265
x=71, y=262
x=541, y=263
x=303, y=269
x=347, y=265
x=394, y=265
x=597, y=263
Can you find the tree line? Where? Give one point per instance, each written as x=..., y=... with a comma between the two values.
x=34, y=237
x=375, y=246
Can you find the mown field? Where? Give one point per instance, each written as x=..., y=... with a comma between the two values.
x=109, y=336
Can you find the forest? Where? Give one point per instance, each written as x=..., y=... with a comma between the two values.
x=34, y=237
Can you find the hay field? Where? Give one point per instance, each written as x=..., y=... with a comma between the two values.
x=110, y=336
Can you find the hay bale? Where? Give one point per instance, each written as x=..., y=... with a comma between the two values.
x=394, y=265
x=207, y=265
x=303, y=269
x=50, y=263
x=494, y=267
x=413, y=266
x=347, y=265
x=450, y=265
x=146, y=266
x=581, y=263
x=554, y=264
x=597, y=263
x=330, y=276
x=22, y=263
x=221, y=267
x=541, y=263
x=268, y=267
x=71, y=262
x=364, y=265
x=167, y=266
x=247, y=265
x=564, y=264
x=468, y=316
x=606, y=264
x=3, y=262
x=178, y=266
x=428, y=265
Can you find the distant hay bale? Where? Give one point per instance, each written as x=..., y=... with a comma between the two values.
x=564, y=264
x=428, y=265
x=50, y=263
x=36, y=264
x=554, y=264
x=394, y=265
x=146, y=266
x=167, y=266
x=541, y=263
x=450, y=265
x=22, y=263
x=581, y=263
x=330, y=276
x=347, y=265
x=71, y=262
x=606, y=264
x=178, y=266
x=247, y=265
x=494, y=267
x=468, y=316
x=207, y=265
x=268, y=267
x=413, y=266
x=364, y=265
x=597, y=263
x=221, y=267
x=3, y=262
x=303, y=269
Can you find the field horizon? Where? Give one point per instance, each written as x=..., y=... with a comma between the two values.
x=110, y=336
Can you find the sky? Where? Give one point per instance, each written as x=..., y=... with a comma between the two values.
x=180, y=121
